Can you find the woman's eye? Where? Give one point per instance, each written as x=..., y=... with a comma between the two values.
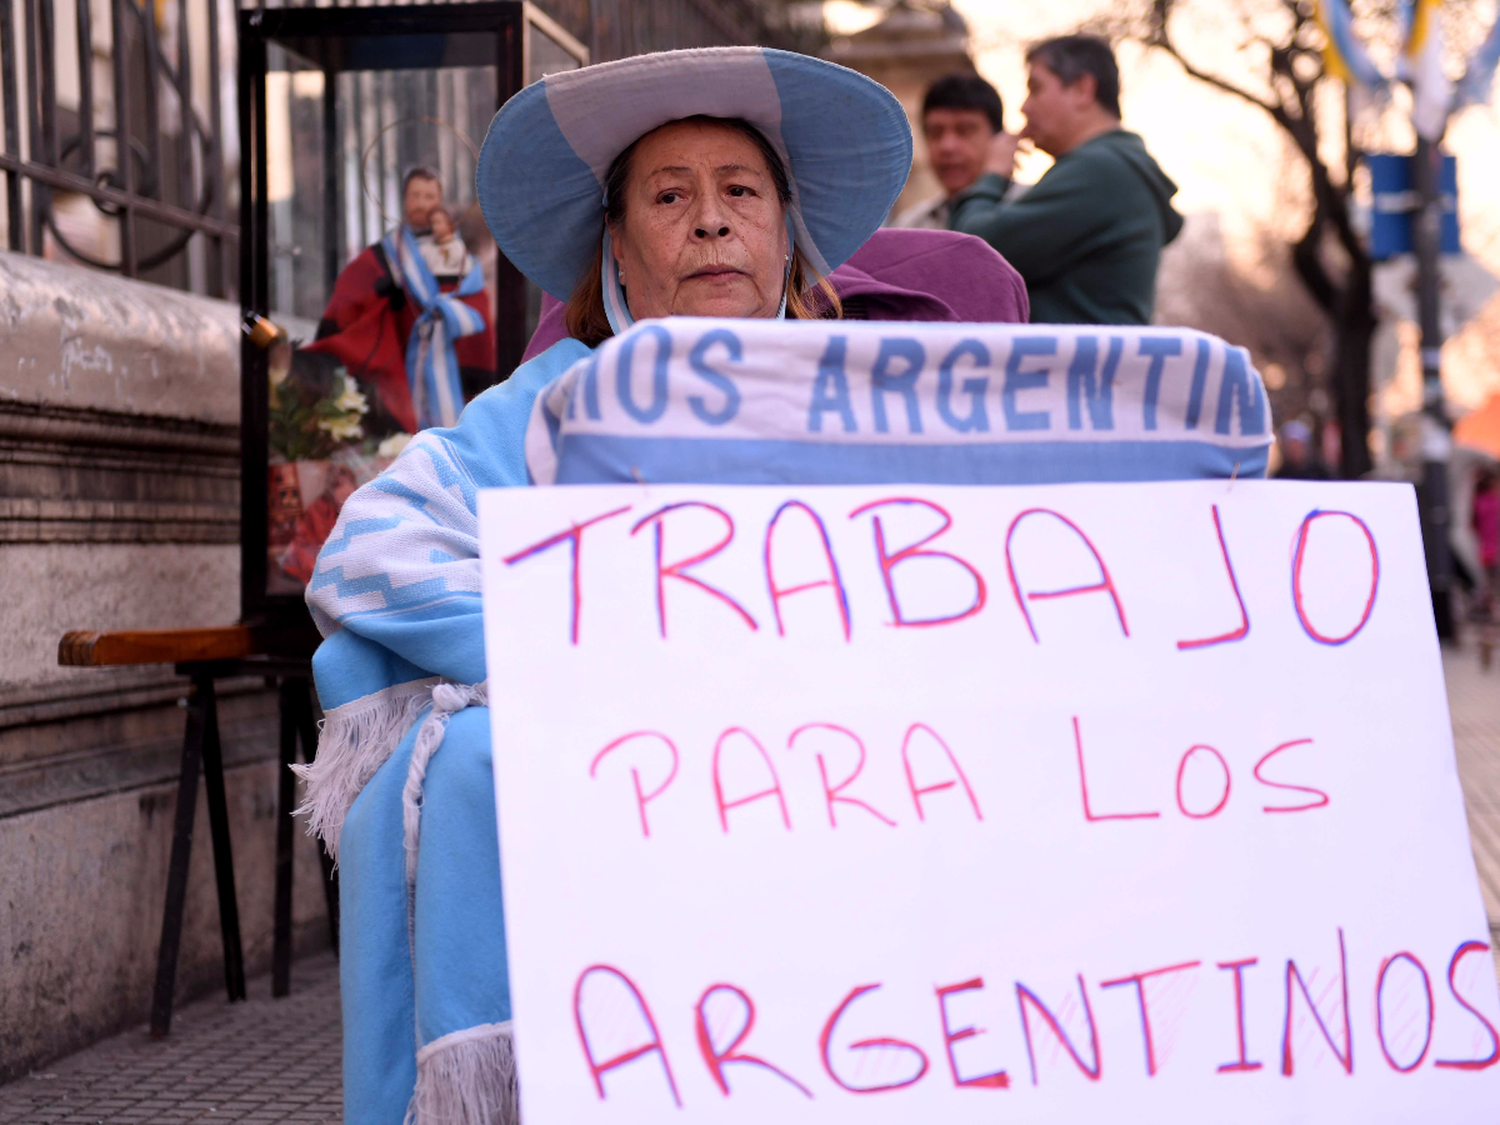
x=739, y=192
x=668, y=197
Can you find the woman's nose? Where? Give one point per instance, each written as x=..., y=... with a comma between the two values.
x=713, y=221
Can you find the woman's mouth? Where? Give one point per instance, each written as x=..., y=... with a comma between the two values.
x=715, y=273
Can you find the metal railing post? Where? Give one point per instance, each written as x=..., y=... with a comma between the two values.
x=85, y=44
x=15, y=218
x=124, y=155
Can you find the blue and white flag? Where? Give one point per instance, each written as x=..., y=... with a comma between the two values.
x=431, y=363
x=1479, y=77
x=1422, y=66
x=1344, y=55
x=759, y=402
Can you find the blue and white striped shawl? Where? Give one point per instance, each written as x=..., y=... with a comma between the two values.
x=397, y=592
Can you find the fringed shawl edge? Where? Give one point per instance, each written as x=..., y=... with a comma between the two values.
x=355, y=741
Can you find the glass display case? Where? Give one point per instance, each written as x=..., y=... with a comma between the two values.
x=375, y=300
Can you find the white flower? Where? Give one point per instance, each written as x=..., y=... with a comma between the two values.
x=346, y=427
x=393, y=445
x=351, y=405
x=352, y=400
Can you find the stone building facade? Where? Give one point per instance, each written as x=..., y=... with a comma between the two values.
x=119, y=509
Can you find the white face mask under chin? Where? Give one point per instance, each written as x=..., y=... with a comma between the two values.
x=618, y=312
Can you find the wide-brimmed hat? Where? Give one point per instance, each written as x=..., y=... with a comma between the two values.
x=844, y=138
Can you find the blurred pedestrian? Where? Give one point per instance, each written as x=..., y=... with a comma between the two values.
x=1299, y=458
x=1485, y=520
x=961, y=115
x=1088, y=237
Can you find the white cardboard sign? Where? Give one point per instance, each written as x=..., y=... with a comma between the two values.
x=1049, y=804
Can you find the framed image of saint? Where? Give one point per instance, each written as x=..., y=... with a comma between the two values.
x=375, y=301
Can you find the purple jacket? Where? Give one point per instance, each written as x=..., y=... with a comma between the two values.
x=897, y=275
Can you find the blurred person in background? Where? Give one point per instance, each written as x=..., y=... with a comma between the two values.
x=1484, y=518
x=1299, y=458
x=961, y=116
x=1088, y=237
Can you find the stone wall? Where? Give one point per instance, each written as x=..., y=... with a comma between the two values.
x=119, y=509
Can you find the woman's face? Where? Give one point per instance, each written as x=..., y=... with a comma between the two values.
x=442, y=226
x=704, y=233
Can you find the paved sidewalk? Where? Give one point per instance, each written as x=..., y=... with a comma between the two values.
x=268, y=1061
x=262, y=1061
x=1474, y=700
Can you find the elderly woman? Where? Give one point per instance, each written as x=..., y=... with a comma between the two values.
x=724, y=183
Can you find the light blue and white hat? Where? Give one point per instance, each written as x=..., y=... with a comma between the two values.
x=843, y=137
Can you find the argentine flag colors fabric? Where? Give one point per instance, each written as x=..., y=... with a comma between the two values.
x=758, y=402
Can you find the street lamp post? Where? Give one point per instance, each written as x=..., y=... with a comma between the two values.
x=1436, y=439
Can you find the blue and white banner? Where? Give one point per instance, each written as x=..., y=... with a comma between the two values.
x=1479, y=76
x=1344, y=55
x=756, y=402
x=1422, y=65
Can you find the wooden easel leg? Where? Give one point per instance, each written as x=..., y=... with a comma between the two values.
x=177, y=868
x=297, y=722
x=330, y=896
x=218, y=823
x=308, y=728
x=281, y=948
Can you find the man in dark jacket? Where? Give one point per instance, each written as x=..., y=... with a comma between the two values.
x=1088, y=237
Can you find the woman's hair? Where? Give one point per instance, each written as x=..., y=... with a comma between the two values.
x=444, y=212
x=809, y=295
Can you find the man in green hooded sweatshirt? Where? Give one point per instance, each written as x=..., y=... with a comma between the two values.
x=1088, y=237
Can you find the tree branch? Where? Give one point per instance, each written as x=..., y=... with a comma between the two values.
x=1294, y=70
x=1212, y=79
x=1309, y=265
x=1294, y=111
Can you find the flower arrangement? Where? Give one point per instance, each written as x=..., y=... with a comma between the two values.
x=340, y=416
x=314, y=410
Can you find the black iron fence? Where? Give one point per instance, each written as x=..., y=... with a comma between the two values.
x=119, y=145
x=113, y=147
x=614, y=29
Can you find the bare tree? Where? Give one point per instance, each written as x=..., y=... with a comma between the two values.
x=1203, y=285
x=1281, y=49
x=1281, y=72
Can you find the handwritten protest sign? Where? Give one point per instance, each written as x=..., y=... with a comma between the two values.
x=941, y=804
